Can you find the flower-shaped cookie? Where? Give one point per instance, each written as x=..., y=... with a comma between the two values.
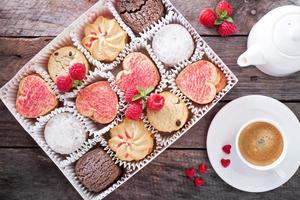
x=104, y=39
x=131, y=140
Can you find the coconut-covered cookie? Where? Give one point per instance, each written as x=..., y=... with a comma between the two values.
x=140, y=14
x=63, y=59
x=64, y=133
x=138, y=70
x=104, y=39
x=200, y=81
x=35, y=98
x=172, y=44
x=171, y=117
x=131, y=140
x=96, y=170
x=98, y=101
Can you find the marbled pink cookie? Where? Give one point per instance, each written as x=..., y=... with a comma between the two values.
x=35, y=98
x=139, y=70
x=98, y=102
x=198, y=81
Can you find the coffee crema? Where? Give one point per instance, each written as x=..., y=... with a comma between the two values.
x=260, y=143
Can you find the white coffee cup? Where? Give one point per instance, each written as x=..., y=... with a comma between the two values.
x=275, y=166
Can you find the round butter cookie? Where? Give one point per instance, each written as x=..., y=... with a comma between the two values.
x=62, y=60
x=172, y=116
x=131, y=140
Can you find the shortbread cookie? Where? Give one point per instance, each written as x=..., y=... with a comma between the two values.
x=62, y=60
x=96, y=170
x=64, y=133
x=131, y=140
x=172, y=116
x=104, y=39
x=172, y=44
x=98, y=102
x=35, y=98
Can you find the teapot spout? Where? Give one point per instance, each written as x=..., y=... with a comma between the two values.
x=253, y=56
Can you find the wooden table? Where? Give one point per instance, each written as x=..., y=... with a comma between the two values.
x=27, y=173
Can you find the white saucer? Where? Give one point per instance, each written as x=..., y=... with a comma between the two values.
x=225, y=126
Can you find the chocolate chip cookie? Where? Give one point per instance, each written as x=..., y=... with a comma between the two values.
x=171, y=117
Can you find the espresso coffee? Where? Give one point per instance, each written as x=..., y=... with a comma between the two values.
x=260, y=143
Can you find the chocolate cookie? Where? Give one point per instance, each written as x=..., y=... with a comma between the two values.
x=140, y=14
x=96, y=170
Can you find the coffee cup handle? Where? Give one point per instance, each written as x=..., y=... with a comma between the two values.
x=280, y=173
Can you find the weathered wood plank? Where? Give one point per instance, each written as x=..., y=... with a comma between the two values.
x=15, y=52
x=29, y=174
x=50, y=17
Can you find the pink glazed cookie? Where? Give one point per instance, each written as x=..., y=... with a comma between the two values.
x=35, y=98
x=98, y=102
x=138, y=70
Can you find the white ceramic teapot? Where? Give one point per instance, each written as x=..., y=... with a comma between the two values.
x=274, y=42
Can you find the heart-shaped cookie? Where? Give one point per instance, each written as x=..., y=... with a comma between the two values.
x=98, y=102
x=35, y=98
x=198, y=81
x=138, y=70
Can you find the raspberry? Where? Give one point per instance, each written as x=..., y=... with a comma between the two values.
x=202, y=168
x=64, y=83
x=130, y=93
x=155, y=102
x=227, y=28
x=190, y=172
x=207, y=17
x=198, y=182
x=225, y=162
x=227, y=148
x=224, y=6
x=77, y=71
x=134, y=111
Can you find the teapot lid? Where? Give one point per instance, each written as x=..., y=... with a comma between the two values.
x=286, y=34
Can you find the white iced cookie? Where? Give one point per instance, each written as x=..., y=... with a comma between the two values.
x=172, y=44
x=64, y=133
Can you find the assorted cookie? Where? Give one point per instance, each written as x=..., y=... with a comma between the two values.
x=138, y=70
x=63, y=59
x=64, y=133
x=171, y=117
x=173, y=44
x=96, y=170
x=200, y=81
x=35, y=98
x=98, y=102
x=140, y=14
x=131, y=140
x=104, y=39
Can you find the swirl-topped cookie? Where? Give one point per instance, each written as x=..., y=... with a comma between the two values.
x=104, y=39
x=131, y=140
